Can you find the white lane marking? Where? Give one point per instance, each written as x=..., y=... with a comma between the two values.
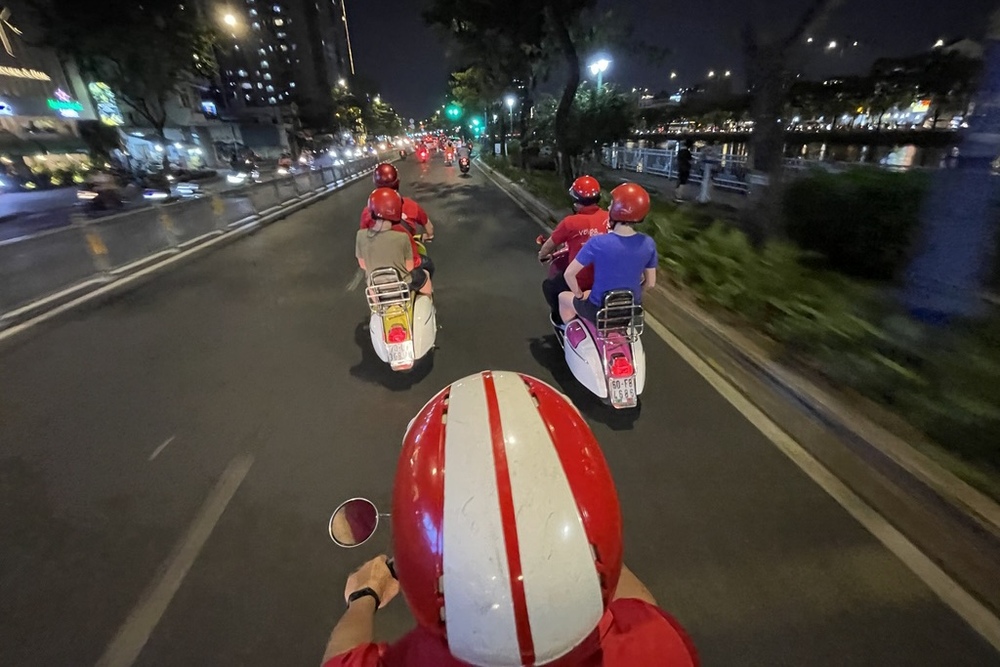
x=124, y=649
x=977, y=615
x=156, y=452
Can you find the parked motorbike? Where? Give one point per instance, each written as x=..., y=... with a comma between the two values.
x=403, y=324
x=605, y=356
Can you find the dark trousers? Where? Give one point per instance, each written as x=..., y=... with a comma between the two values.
x=427, y=265
x=551, y=288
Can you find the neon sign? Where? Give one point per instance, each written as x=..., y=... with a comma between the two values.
x=64, y=104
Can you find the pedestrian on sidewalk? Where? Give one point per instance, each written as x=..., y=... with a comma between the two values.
x=684, y=159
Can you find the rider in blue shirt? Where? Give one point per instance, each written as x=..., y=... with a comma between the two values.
x=622, y=259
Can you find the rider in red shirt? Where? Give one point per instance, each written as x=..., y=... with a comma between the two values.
x=414, y=216
x=514, y=557
x=588, y=220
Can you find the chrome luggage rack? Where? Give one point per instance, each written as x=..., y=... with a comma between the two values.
x=385, y=289
x=620, y=315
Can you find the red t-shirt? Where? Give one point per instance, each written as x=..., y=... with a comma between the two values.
x=413, y=215
x=632, y=633
x=575, y=230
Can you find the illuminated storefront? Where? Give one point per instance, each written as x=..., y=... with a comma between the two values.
x=40, y=106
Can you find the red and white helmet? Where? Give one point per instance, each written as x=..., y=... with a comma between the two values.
x=506, y=525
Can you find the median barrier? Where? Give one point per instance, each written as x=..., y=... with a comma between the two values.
x=46, y=263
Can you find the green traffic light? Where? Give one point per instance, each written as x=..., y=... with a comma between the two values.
x=453, y=111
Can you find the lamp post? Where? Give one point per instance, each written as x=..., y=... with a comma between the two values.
x=598, y=68
x=510, y=100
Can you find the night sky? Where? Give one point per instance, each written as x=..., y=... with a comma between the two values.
x=411, y=62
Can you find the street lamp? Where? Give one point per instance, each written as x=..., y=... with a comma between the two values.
x=728, y=73
x=510, y=100
x=711, y=74
x=673, y=75
x=342, y=82
x=230, y=20
x=832, y=45
x=598, y=68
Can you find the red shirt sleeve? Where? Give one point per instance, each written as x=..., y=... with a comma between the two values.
x=562, y=231
x=414, y=212
x=366, y=655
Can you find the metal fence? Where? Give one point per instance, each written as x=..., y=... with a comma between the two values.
x=94, y=251
x=728, y=172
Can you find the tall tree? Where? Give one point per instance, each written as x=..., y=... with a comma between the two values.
x=145, y=51
x=770, y=63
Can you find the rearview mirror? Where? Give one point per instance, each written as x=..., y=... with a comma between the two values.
x=354, y=522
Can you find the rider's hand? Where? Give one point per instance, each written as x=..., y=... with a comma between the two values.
x=374, y=574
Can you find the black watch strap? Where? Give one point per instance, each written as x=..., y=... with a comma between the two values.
x=360, y=593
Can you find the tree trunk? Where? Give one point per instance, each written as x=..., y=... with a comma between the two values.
x=561, y=29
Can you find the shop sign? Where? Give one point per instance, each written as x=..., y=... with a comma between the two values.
x=64, y=104
x=107, y=104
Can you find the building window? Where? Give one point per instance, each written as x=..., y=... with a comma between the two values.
x=284, y=47
x=259, y=85
x=264, y=64
x=256, y=25
x=291, y=84
x=277, y=9
x=271, y=100
x=281, y=35
x=279, y=22
x=242, y=72
x=261, y=52
x=267, y=76
x=253, y=12
x=248, y=97
x=246, y=85
x=270, y=89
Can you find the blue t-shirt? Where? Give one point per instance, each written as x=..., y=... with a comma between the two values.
x=618, y=263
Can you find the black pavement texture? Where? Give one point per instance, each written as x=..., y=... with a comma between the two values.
x=260, y=348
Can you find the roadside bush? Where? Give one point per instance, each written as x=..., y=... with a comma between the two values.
x=863, y=222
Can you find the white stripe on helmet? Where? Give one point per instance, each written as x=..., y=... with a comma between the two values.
x=478, y=609
x=562, y=609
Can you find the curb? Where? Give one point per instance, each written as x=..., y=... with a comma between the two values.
x=49, y=308
x=831, y=412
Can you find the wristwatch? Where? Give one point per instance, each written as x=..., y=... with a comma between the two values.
x=362, y=592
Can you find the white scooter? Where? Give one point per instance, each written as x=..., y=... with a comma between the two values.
x=606, y=357
x=403, y=323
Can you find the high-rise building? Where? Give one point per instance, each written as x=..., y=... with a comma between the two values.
x=280, y=52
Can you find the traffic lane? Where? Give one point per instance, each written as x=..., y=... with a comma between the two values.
x=755, y=559
x=269, y=585
x=191, y=355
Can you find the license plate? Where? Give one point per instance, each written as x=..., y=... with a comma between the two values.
x=622, y=393
x=400, y=354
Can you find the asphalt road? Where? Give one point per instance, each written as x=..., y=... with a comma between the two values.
x=257, y=355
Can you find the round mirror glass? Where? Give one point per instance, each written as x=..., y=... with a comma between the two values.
x=353, y=522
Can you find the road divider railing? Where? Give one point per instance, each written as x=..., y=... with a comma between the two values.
x=70, y=260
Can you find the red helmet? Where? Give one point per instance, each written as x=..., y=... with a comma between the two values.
x=386, y=176
x=629, y=203
x=585, y=190
x=507, y=531
x=386, y=204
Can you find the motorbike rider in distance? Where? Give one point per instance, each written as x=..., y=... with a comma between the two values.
x=512, y=557
x=622, y=259
x=381, y=247
x=413, y=219
x=588, y=220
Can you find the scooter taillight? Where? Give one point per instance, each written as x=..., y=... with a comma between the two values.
x=397, y=334
x=621, y=367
